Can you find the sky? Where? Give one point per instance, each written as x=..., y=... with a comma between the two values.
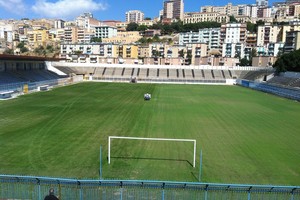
x=101, y=9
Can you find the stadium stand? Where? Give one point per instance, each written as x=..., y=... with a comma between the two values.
x=285, y=81
x=199, y=74
x=208, y=75
x=188, y=73
x=163, y=73
x=152, y=73
x=227, y=74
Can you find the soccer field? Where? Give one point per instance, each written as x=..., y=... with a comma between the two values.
x=246, y=136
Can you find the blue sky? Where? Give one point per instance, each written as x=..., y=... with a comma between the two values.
x=102, y=9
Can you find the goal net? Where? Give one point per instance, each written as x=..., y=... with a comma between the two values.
x=151, y=139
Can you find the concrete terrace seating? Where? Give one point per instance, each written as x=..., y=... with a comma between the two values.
x=254, y=75
x=295, y=83
x=163, y=73
x=240, y=74
x=173, y=74
x=217, y=74
x=227, y=74
x=128, y=72
x=284, y=92
x=118, y=72
x=281, y=80
x=144, y=73
x=108, y=72
x=208, y=74
x=152, y=73
x=188, y=74
x=198, y=74
x=99, y=71
x=67, y=70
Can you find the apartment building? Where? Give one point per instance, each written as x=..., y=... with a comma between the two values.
x=87, y=21
x=59, y=24
x=262, y=3
x=134, y=16
x=210, y=36
x=205, y=17
x=6, y=31
x=268, y=33
x=292, y=26
x=173, y=9
x=292, y=41
x=105, y=31
x=77, y=35
x=264, y=12
x=126, y=37
x=127, y=51
x=98, y=53
x=233, y=39
x=228, y=9
x=38, y=38
x=186, y=54
x=294, y=10
x=251, y=40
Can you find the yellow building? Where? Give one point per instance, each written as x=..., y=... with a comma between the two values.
x=123, y=38
x=127, y=51
x=38, y=37
x=205, y=17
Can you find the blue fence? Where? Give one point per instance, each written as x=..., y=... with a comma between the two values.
x=28, y=187
x=287, y=92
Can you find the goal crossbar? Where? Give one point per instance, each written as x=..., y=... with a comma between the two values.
x=152, y=139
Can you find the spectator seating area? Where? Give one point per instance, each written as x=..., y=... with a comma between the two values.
x=156, y=73
x=18, y=76
x=291, y=93
x=285, y=81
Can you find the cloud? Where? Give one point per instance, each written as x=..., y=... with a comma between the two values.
x=13, y=6
x=66, y=9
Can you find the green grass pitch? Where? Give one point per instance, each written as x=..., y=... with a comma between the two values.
x=246, y=136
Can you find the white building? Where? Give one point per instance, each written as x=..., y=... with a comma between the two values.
x=233, y=50
x=233, y=38
x=58, y=24
x=262, y=3
x=105, y=32
x=210, y=36
x=6, y=32
x=134, y=16
x=87, y=21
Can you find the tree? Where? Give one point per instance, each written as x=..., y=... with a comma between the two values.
x=142, y=28
x=24, y=49
x=95, y=39
x=8, y=51
x=147, y=18
x=21, y=45
x=132, y=26
x=49, y=48
x=251, y=27
x=232, y=19
x=40, y=50
x=244, y=62
x=288, y=62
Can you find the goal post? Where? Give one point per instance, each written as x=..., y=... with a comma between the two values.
x=152, y=139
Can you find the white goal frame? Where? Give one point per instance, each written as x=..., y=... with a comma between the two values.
x=153, y=139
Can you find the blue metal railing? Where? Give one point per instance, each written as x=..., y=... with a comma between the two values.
x=30, y=187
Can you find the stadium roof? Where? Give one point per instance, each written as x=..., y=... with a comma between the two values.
x=31, y=58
